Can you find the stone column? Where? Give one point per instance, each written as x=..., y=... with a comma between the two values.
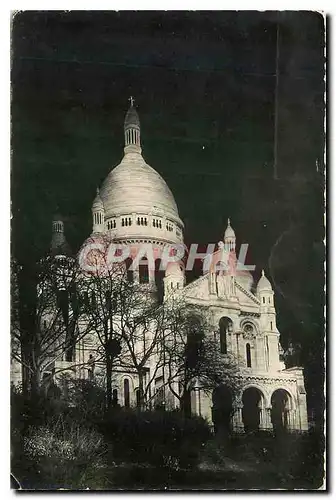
x=267, y=419
x=237, y=419
x=136, y=276
x=204, y=405
x=151, y=274
x=292, y=420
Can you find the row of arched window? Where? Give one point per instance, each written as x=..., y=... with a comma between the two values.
x=172, y=285
x=98, y=218
x=140, y=221
x=126, y=221
x=157, y=223
x=132, y=136
x=127, y=398
x=225, y=325
x=58, y=227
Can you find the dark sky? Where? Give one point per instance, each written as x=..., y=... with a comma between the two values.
x=204, y=85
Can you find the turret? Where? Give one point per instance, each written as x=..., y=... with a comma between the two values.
x=174, y=278
x=229, y=238
x=268, y=323
x=98, y=214
x=59, y=245
x=265, y=292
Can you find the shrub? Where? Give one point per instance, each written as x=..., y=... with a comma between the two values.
x=60, y=454
x=158, y=438
x=214, y=453
x=87, y=400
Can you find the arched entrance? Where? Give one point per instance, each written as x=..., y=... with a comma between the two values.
x=280, y=412
x=253, y=403
x=222, y=409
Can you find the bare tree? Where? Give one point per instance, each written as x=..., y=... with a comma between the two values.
x=46, y=312
x=193, y=356
x=127, y=320
x=105, y=293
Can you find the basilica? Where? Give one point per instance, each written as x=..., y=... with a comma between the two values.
x=134, y=206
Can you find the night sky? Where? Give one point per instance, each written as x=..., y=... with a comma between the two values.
x=204, y=86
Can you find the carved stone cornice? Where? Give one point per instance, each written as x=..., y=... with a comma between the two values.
x=250, y=313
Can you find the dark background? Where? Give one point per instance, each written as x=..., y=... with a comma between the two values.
x=205, y=86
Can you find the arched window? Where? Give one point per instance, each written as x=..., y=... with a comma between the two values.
x=263, y=300
x=137, y=395
x=248, y=355
x=225, y=325
x=271, y=325
x=126, y=393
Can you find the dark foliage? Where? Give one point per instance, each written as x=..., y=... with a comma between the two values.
x=162, y=439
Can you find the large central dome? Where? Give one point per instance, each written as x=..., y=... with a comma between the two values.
x=134, y=186
x=134, y=203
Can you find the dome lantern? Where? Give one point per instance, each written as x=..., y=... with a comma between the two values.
x=132, y=130
x=229, y=238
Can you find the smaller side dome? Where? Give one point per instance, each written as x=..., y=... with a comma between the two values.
x=174, y=269
x=97, y=202
x=264, y=284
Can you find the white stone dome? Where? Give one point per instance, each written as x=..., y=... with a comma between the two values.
x=97, y=202
x=174, y=269
x=137, y=205
x=135, y=187
x=264, y=284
